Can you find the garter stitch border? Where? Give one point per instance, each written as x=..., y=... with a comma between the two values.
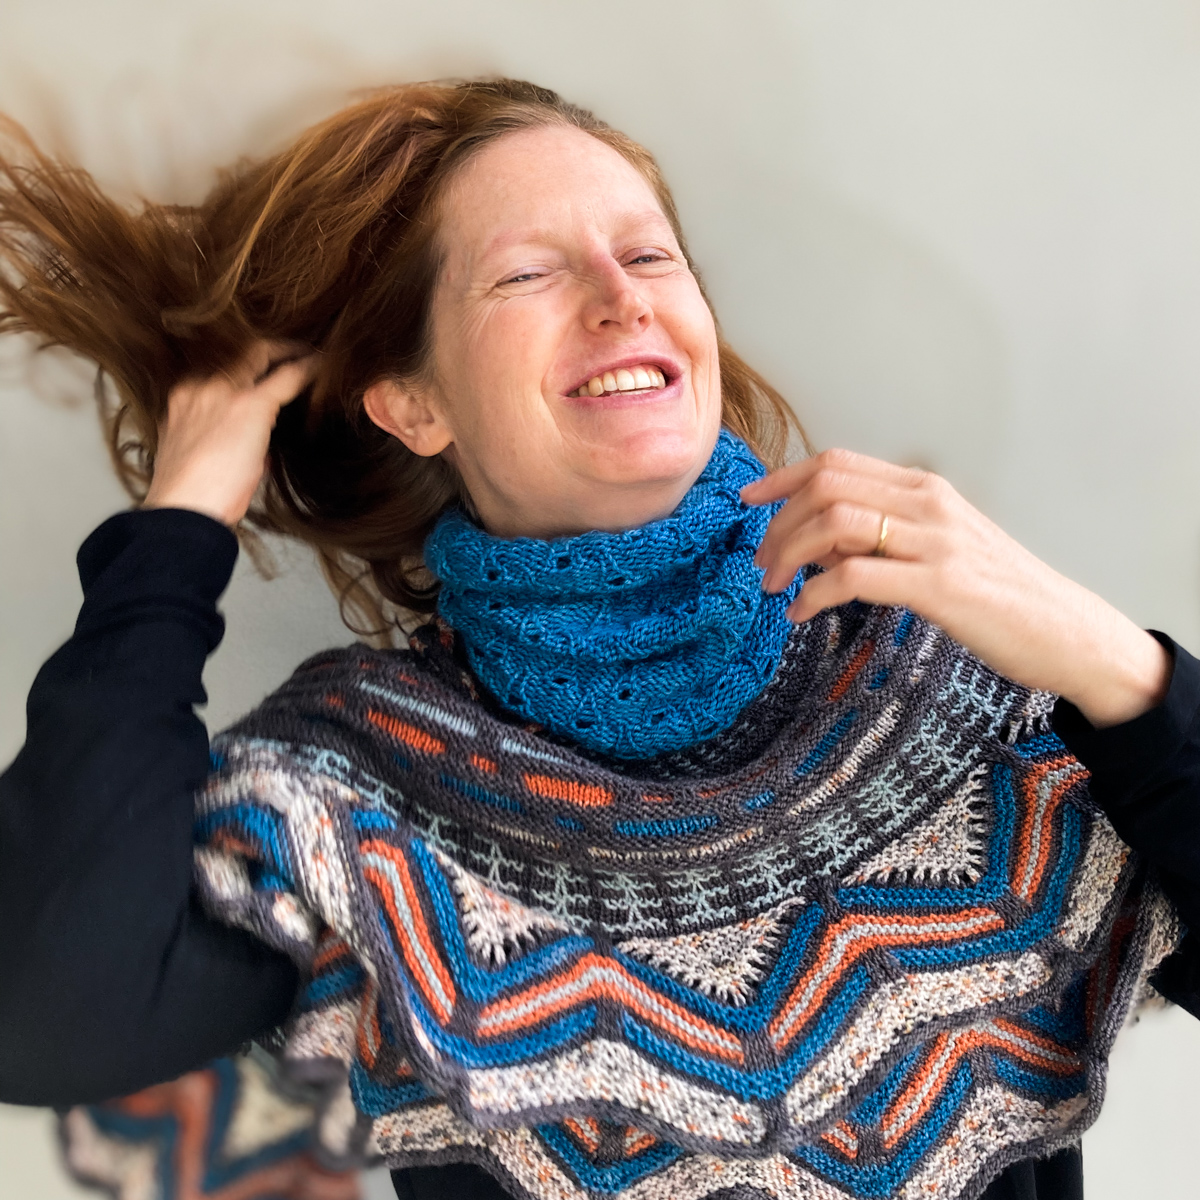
x=886, y=956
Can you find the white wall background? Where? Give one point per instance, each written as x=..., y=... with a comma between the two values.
x=958, y=233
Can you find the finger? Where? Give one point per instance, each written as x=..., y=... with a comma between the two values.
x=251, y=366
x=281, y=352
x=841, y=532
x=828, y=489
x=261, y=357
x=787, y=480
x=286, y=381
x=869, y=580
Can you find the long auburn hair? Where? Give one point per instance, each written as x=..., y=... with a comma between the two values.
x=332, y=243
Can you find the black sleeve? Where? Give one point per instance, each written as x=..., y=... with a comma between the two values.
x=1146, y=777
x=111, y=977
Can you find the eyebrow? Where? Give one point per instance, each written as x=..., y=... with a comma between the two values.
x=503, y=242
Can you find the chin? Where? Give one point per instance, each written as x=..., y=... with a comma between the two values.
x=653, y=456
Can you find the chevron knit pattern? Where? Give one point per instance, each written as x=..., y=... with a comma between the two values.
x=873, y=941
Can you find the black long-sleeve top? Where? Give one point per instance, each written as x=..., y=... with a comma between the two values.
x=112, y=977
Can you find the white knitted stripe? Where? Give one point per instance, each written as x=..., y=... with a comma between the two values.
x=700, y=1175
x=993, y=1121
x=426, y=1129
x=324, y=1033
x=896, y=1011
x=1103, y=861
x=611, y=1071
x=526, y=1160
x=707, y=850
x=436, y=714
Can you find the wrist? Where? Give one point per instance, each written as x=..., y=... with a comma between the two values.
x=1128, y=674
x=195, y=500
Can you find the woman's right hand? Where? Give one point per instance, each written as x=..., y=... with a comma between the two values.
x=212, y=447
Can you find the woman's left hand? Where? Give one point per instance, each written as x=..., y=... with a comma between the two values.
x=946, y=561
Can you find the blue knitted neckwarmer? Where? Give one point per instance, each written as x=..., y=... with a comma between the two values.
x=630, y=644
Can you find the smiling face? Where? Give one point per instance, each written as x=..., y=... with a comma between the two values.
x=574, y=379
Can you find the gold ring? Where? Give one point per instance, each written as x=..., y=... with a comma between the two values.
x=880, y=550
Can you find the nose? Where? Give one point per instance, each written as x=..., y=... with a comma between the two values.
x=615, y=301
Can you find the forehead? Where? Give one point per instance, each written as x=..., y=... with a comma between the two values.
x=542, y=183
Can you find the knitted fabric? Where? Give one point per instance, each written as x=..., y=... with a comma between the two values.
x=883, y=953
x=226, y=1133
x=630, y=643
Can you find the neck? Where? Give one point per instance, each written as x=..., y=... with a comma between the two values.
x=622, y=496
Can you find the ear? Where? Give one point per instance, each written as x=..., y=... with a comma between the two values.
x=410, y=415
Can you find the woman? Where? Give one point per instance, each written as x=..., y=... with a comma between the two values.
x=660, y=859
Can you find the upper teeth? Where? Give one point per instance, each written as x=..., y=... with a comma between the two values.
x=624, y=380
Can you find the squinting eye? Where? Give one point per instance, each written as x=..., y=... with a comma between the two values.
x=522, y=277
x=645, y=258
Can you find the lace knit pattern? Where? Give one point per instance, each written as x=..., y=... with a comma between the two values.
x=631, y=643
x=886, y=956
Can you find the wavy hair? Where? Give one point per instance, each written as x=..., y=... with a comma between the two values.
x=332, y=243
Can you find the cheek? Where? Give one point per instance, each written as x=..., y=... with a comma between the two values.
x=696, y=335
x=503, y=358
x=681, y=309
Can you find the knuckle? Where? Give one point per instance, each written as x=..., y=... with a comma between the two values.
x=933, y=485
x=855, y=571
x=828, y=484
x=837, y=458
x=937, y=497
x=841, y=516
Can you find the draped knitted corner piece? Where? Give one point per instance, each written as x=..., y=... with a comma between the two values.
x=629, y=644
x=872, y=941
x=231, y=1132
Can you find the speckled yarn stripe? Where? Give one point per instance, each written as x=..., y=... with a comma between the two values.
x=631, y=644
x=873, y=940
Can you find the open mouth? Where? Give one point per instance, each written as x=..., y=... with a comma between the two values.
x=643, y=378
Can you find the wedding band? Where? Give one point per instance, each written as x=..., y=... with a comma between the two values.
x=880, y=550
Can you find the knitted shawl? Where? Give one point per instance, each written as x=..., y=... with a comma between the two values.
x=873, y=940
